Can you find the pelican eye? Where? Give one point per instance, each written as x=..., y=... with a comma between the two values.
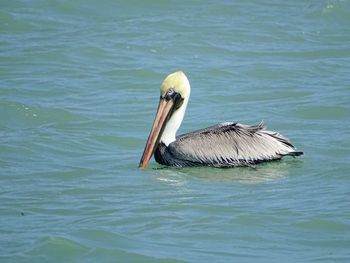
x=170, y=94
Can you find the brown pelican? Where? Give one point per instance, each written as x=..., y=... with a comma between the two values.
x=227, y=144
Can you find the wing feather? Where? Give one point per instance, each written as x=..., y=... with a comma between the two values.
x=231, y=144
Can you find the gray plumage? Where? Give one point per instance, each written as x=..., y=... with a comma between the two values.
x=225, y=145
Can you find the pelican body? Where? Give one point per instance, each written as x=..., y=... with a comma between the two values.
x=224, y=145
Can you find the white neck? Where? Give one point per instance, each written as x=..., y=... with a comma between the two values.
x=169, y=133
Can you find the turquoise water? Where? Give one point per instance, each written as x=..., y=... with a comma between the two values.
x=79, y=86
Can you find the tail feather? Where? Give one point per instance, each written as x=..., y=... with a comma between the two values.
x=294, y=154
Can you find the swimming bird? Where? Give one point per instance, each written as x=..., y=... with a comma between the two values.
x=228, y=144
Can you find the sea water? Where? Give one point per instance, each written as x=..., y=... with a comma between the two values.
x=79, y=87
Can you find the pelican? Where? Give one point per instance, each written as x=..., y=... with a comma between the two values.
x=228, y=144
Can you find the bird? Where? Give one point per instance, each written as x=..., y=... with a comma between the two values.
x=224, y=145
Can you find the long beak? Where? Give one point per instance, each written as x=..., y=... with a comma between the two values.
x=163, y=114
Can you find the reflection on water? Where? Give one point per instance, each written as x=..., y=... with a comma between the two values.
x=171, y=176
x=246, y=175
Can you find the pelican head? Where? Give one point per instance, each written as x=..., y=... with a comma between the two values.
x=178, y=83
x=174, y=95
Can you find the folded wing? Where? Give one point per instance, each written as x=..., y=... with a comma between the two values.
x=231, y=144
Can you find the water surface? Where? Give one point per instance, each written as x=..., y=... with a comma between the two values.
x=79, y=84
